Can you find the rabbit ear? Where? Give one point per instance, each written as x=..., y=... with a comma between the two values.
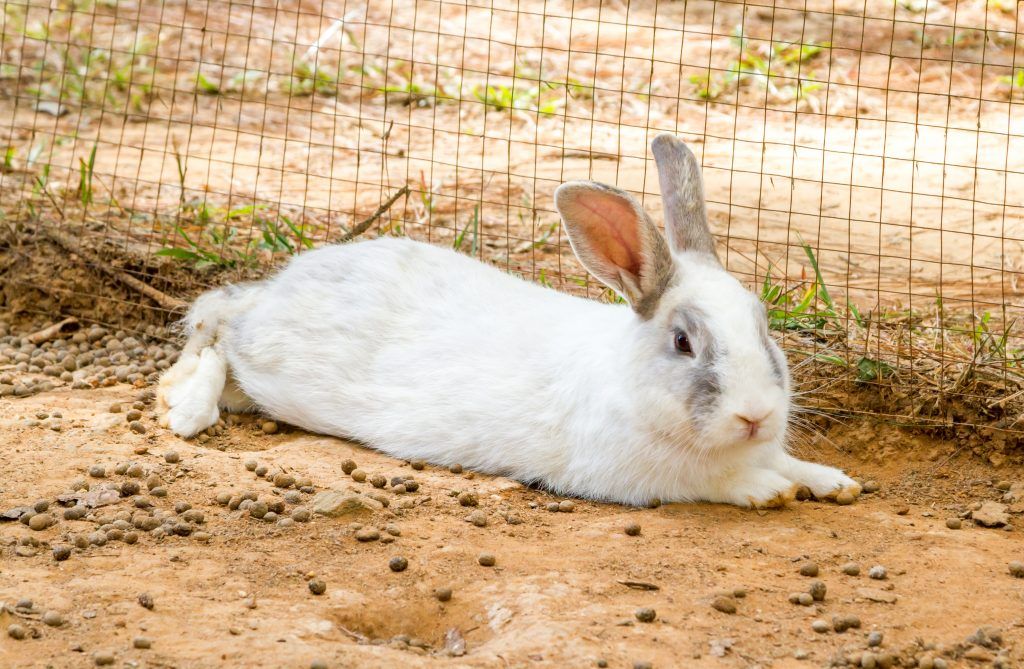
x=616, y=241
x=682, y=196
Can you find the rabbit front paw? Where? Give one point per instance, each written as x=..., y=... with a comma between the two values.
x=823, y=481
x=758, y=489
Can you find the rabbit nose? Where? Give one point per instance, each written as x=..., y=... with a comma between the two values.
x=752, y=421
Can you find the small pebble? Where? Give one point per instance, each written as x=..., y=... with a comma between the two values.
x=318, y=664
x=874, y=639
x=468, y=499
x=954, y=523
x=478, y=518
x=654, y=503
x=455, y=469
x=801, y=598
x=817, y=591
x=142, y=642
x=317, y=586
x=378, y=480
x=724, y=604
x=418, y=465
x=820, y=626
x=138, y=428
x=146, y=601
x=251, y=465
x=16, y=631
x=300, y=514
x=397, y=564
x=1003, y=486
x=40, y=521
x=1016, y=569
x=98, y=471
x=633, y=529
x=261, y=470
x=443, y=594
x=486, y=559
x=845, y=498
x=552, y=507
x=566, y=506
x=53, y=619
x=851, y=569
x=877, y=572
x=61, y=552
x=358, y=475
x=645, y=614
x=367, y=534
x=269, y=427
x=76, y=512
x=642, y=664
x=258, y=509
x=103, y=658
x=843, y=623
x=348, y=466
x=41, y=506
x=871, y=487
x=283, y=480
x=809, y=569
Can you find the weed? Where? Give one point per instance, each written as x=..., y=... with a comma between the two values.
x=473, y=222
x=1015, y=82
x=307, y=79
x=508, y=98
x=85, y=176
x=766, y=65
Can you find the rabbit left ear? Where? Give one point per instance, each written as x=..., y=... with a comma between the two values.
x=682, y=196
x=616, y=241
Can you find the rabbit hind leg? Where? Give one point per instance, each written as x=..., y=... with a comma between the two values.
x=190, y=391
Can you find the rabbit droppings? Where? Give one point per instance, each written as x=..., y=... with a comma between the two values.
x=425, y=353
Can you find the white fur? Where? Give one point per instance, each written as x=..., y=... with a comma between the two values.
x=422, y=352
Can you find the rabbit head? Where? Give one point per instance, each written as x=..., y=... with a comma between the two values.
x=704, y=369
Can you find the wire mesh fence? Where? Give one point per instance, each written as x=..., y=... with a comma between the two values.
x=864, y=161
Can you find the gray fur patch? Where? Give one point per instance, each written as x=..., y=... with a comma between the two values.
x=706, y=386
x=657, y=278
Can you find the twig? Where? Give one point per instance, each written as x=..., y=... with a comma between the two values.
x=93, y=259
x=51, y=331
x=364, y=225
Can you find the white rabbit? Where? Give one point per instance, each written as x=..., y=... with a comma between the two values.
x=425, y=353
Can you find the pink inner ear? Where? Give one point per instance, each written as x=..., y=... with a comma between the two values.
x=613, y=229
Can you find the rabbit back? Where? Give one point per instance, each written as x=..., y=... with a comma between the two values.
x=422, y=352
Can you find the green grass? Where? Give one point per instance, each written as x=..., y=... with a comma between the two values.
x=772, y=65
x=474, y=223
x=216, y=240
x=86, y=170
x=1014, y=82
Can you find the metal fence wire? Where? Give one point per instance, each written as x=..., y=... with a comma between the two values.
x=863, y=159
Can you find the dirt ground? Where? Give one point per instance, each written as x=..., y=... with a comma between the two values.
x=235, y=591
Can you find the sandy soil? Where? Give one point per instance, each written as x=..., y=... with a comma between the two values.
x=555, y=597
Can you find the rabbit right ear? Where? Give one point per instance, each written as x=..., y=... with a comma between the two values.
x=616, y=241
x=682, y=196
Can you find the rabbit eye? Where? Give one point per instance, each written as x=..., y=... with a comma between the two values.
x=683, y=343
